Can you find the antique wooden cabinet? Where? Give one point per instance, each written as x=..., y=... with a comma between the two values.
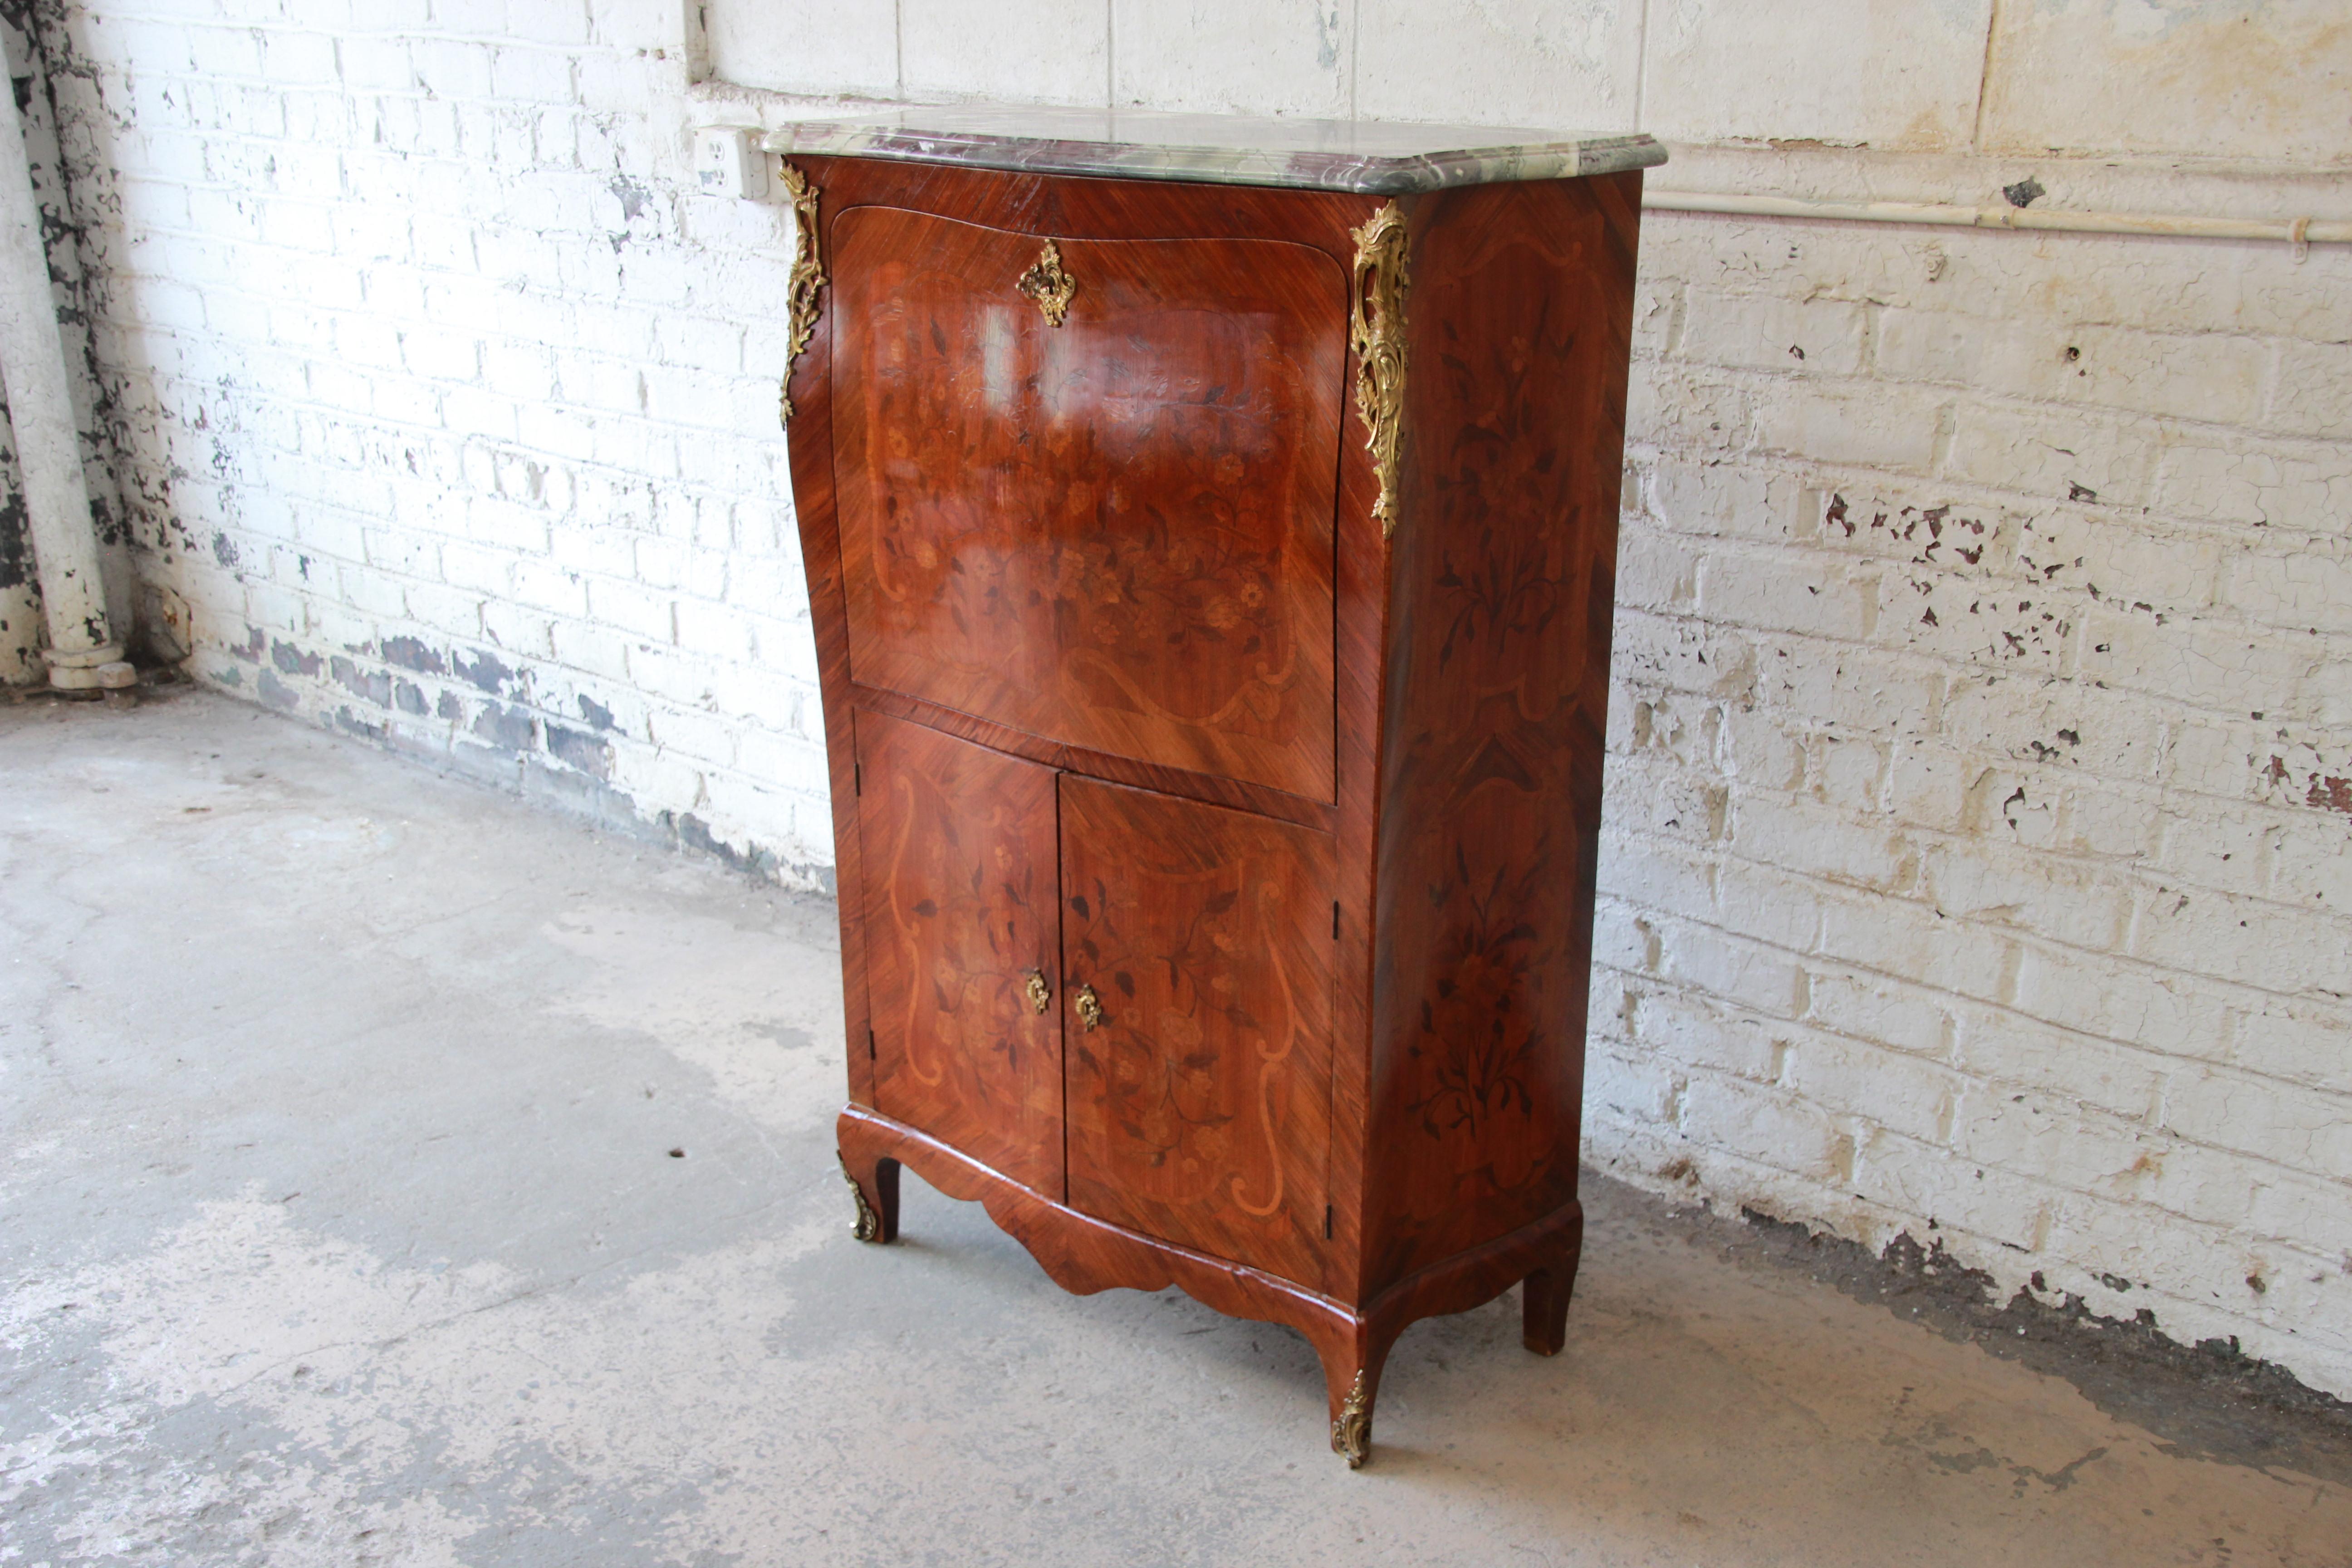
x=1210, y=526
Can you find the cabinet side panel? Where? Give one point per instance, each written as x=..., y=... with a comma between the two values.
x=808, y=381
x=1200, y=1099
x=1502, y=581
x=961, y=911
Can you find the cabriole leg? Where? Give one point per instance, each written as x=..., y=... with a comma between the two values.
x=876, y=1199
x=1351, y=1376
x=1543, y=1326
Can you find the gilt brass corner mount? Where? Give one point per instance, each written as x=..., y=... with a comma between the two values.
x=807, y=279
x=1376, y=333
x=1048, y=285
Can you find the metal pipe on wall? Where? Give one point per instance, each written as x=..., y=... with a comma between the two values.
x=83, y=651
x=2291, y=231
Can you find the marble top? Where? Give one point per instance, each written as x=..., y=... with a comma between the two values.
x=1375, y=157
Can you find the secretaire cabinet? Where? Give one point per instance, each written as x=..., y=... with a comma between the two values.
x=1209, y=528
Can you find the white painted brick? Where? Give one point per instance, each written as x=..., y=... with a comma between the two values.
x=1802, y=836
x=2116, y=823
x=1662, y=802
x=592, y=649
x=2076, y=1150
x=2306, y=585
x=2023, y=718
x=2315, y=390
x=1849, y=776
x=515, y=628
x=1928, y=786
x=1758, y=751
x=1748, y=973
x=1654, y=572
x=2296, y=1208
x=2252, y=942
x=2295, y=1127
x=2017, y=1054
x=2296, y=1039
x=1873, y=1086
x=2172, y=1014
x=1697, y=408
x=1926, y=1180
x=1667, y=878
x=630, y=608
x=2311, y=858
x=2207, y=376
x=1690, y=1033
x=2233, y=478
x=1916, y=942
x=1772, y=1126
x=1882, y=425
x=1769, y=903
x=2035, y=894
x=2079, y=455
x=1635, y=1086
x=696, y=734
x=2068, y=547
x=1763, y=331
x=298, y=59
x=1865, y=1008
x=1785, y=592
x=1720, y=501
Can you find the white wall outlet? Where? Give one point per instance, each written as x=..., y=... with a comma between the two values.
x=727, y=162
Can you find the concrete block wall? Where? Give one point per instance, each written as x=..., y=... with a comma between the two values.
x=1978, y=860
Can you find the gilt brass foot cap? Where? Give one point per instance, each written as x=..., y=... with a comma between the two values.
x=1351, y=1433
x=869, y=1224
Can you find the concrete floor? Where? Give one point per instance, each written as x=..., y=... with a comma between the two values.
x=338, y=1222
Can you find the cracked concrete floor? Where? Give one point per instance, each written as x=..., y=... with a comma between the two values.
x=338, y=1222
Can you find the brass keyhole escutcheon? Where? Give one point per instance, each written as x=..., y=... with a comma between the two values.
x=1048, y=285
x=1090, y=1013
x=1040, y=994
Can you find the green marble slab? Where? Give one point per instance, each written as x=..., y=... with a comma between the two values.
x=1374, y=157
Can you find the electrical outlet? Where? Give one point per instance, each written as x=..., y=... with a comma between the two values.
x=728, y=162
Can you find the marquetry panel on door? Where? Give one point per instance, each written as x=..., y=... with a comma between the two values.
x=961, y=911
x=1198, y=1108
x=1115, y=532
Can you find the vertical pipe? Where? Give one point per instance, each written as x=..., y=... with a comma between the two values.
x=83, y=652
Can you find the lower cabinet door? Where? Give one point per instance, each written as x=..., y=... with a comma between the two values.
x=1197, y=958
x=961, y=939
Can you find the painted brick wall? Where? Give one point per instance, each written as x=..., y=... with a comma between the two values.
x=1979, y=844
x=1979, y=851
x=447, y=410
